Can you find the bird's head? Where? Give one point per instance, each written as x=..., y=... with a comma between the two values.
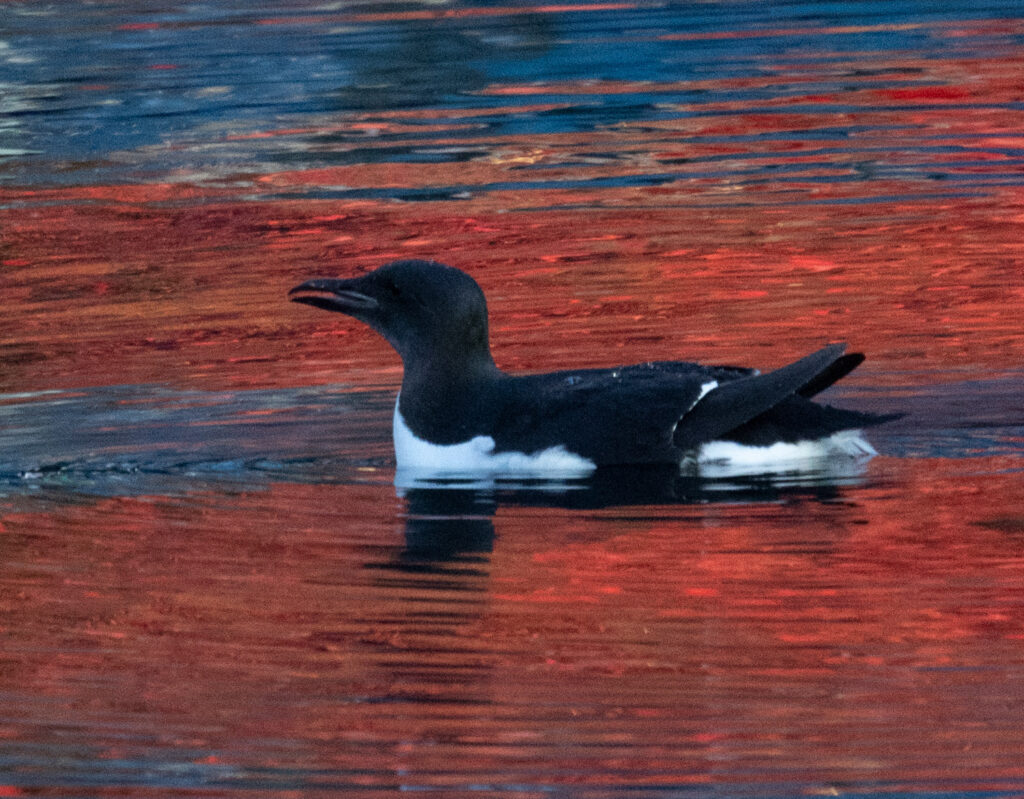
x=426, y=310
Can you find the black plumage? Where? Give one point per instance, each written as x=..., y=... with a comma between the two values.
x=435, y=316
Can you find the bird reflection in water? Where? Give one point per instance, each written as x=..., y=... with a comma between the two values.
x=449, y=517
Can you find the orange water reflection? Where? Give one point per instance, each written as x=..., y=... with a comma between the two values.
x=196, y=294
x=286, y=639
x=836, y=203
x=286, y=631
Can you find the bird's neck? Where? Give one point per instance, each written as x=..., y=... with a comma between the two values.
x=440, y=374
x=445, y=399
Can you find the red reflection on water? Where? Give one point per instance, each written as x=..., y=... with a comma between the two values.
x=855, y=238
x=875, y=639
x=198, y=294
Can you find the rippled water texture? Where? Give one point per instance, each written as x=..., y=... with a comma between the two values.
x=210, y=584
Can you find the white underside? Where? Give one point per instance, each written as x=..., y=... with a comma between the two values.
x=478, y=456
x=841, y=453
x=414, y=456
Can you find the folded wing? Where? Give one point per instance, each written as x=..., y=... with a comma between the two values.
x=736, y=402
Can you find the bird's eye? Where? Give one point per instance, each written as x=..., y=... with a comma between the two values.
x=394, y=290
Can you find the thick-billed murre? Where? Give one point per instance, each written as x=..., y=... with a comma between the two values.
x=458, y=412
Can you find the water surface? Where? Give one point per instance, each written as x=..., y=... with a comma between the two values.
x=210, y=584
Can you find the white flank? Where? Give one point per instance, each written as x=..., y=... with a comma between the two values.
x=838, y=452
x=477, y=455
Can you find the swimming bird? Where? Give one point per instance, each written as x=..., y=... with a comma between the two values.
x=457, y=411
